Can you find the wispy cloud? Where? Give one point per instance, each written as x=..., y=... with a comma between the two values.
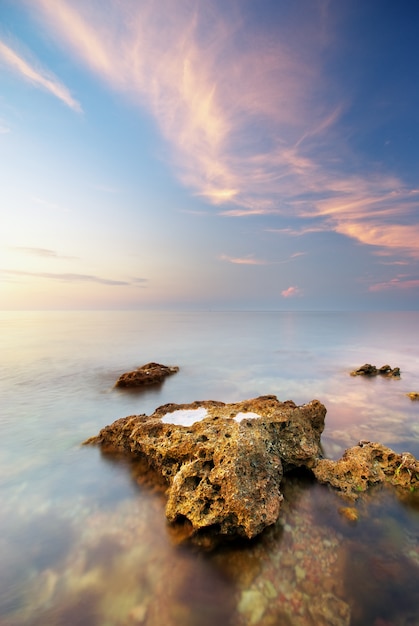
x=249, y=260
x=38, y=76
x=249, y=212
x=39, y=252
x=295, y=232
x=245, y=115
x=397, y=283
x=187, y=64
x=291, y=292
x=70, y=277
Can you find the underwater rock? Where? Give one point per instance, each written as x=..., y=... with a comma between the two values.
x=224, y=471
x=149, y=374
x=368, y=464
x=350, y=513
x=372, y=370
x=329, y=610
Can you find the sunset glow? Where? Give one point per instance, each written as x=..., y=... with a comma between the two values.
x=155, y=140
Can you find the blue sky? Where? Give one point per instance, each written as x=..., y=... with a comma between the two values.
x=191, y=154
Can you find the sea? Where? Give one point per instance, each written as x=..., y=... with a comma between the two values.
x=84, y=540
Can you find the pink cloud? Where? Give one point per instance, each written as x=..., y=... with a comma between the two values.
x=186, y=64
x=291, y=292
x=273, y=150
x=399, y=282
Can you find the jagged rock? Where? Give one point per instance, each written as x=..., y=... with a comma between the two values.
x=223, y=472
x=368, y=464
x=149, y=374
x=372, y=370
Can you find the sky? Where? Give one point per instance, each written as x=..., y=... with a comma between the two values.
x=209, y=155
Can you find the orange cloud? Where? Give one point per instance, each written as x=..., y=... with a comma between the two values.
x=394, y=237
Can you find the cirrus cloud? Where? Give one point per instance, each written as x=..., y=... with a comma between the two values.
x=70, y=277
x=250, y=119
x=38, y=76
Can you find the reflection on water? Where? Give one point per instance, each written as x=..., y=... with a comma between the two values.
x=115, y=563
x=83, y=538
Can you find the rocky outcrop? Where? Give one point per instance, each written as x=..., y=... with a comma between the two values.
x=372, y=370
x=223, y=472
x=368, y=464
x=222, y=464
x=149, y=374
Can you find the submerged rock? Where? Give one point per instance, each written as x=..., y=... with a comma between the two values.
x=149, y=374
x=224, y=471
x=372, y=370
x=329, y=610
x=368, y=464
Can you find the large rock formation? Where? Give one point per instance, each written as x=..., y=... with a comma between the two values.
x=368, y=464
x=148, y=374
x=224, y=471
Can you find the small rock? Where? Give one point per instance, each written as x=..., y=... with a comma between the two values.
x=269, y=590
x=300, y=573
x=350, y=513
x=252, y=605
x=329, y=610
x=138, y=614
x=372, y=370
x=413, y=395
x=149, y=374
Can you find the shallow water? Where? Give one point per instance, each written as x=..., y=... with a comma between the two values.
x=83, y=537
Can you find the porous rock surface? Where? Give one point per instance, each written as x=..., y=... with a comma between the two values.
x=148, y=374
x=223, y=472
x=368, y=464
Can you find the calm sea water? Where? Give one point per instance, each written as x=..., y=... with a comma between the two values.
x=83, y=542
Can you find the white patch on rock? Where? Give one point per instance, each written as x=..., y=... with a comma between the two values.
x=185, y=417
x=249, y=416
